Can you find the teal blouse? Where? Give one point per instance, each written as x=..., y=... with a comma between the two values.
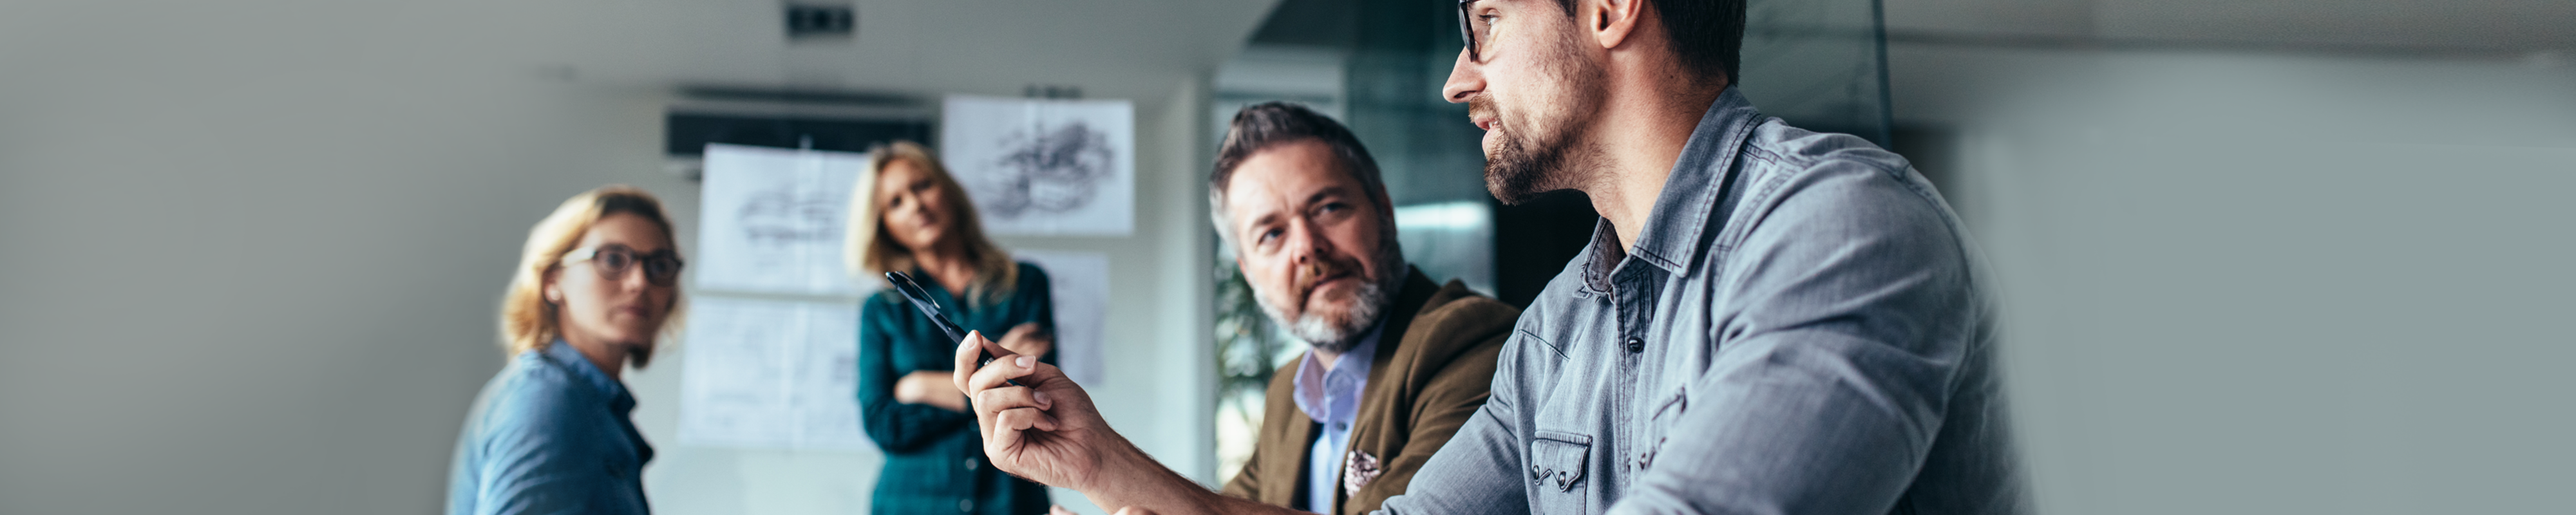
x=934, y=457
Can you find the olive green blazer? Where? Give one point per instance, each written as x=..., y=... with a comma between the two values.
x=1422, y=386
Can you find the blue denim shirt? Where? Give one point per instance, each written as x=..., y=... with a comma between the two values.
x=1800, y=328
x=550, y=434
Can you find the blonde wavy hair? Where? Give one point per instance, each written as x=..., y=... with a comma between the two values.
x=868, y=254
x=528, y=322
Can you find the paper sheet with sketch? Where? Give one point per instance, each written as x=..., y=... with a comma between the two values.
x=771, y=374
x=1044, y=167
x=1080, y=285
x=771, y=220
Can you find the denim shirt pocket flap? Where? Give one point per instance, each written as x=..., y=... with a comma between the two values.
x=1557, y=459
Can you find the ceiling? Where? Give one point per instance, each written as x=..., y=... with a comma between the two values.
x=1108, y=48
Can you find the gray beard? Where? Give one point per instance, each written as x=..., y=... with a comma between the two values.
x=1327, y=336
x=1374, y=297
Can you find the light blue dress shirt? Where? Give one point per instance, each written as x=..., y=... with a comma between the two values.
x=550, y=434
x=1332, y=398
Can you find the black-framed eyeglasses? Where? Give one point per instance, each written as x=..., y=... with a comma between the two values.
x=662, y=267
x=1472, y=29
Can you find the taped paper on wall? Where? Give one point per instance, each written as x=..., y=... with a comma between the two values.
x=1080, y=285
x=1044, y=167
x=771, y=374
x=771, y=220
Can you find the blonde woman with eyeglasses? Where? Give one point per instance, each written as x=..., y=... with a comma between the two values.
x=594, y=290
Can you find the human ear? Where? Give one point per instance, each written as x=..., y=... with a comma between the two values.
x=1611, y=21
x=553, y=292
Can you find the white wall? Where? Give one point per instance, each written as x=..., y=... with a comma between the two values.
x=241, y=272
x=2267, y=283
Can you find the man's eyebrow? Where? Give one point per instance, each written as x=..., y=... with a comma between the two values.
x=1327, y=192
x=1264, y=219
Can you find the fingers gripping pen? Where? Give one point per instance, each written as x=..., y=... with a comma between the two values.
x=921, y=300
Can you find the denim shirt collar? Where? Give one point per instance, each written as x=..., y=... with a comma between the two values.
x=563, y=355
x=1682, y=215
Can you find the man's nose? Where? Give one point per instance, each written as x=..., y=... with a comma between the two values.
x=1306, y=243
x=1465, y=80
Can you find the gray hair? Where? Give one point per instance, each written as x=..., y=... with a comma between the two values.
x=1261, y=126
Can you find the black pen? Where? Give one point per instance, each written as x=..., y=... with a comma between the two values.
x=921, y=300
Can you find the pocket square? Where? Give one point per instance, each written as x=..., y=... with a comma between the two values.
x=1358, y=468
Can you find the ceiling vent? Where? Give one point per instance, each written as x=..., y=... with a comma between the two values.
x=809, y=21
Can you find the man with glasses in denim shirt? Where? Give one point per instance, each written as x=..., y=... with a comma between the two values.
x=1767, y=319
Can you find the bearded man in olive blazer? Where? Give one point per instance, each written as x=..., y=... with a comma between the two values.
x=1397, y=362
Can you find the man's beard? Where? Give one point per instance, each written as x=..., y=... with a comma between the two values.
x=1514, y=171
x=1368, y=305
x=1535, y=155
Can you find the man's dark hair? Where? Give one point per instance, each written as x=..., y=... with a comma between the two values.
x=1707, y=35
x=1261, y=126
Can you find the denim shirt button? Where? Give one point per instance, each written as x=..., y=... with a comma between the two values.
x=1636, y=345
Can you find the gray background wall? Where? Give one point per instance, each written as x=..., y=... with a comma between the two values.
x=2272, y=283
x=242, y=272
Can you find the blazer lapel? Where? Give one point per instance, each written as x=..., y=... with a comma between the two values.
x=1368, y=429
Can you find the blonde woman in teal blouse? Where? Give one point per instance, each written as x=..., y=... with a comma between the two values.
x=909, y=216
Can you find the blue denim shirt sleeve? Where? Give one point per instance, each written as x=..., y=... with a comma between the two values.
x=532, y=462
x=549, y=435
x=1841, y=345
